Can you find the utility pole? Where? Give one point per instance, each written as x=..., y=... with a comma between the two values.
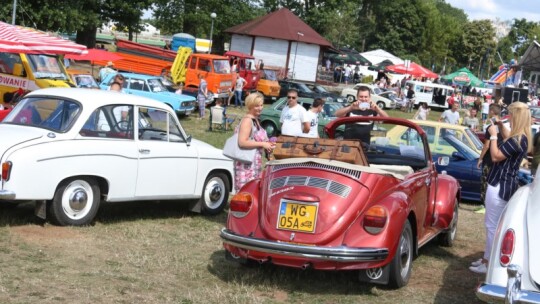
x=14, y=11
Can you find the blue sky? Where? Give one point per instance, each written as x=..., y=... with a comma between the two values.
x=503, y=9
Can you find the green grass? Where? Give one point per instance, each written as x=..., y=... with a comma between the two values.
x=159, y=252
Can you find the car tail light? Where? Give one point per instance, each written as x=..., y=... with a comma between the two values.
x=375, y=219
x=241, y=204
x=6, y=170
x=507, y=247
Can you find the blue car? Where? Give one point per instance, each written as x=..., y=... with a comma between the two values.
x=461, y=164
x=153, y=88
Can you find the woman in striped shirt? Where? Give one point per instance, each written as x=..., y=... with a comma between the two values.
x=502, y=178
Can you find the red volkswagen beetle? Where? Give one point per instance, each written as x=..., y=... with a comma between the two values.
x=317, y=207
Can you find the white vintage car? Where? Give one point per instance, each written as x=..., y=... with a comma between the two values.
x=513, y=274
x=71, y=149
x=380, y=101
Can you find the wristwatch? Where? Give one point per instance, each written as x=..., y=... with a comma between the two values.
x=493, y=137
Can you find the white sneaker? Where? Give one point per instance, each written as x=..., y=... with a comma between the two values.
x=477, y=263
x=481, y=269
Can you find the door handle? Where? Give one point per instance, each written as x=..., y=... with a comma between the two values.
x=144, y=151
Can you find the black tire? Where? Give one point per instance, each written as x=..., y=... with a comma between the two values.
x=215, y=194
x=270, y=128
x=75, y=202
x=448, y=237
x=401, y=265
x=381, y=105
x=351, y=98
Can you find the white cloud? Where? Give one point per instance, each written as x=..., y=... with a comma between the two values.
x=503, y=9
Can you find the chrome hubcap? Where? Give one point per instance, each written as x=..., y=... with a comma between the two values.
x=78, y=199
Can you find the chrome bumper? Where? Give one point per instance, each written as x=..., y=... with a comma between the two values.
x=221, y=95
x=185, y=110
x=7, y=195
x=512, y=294
x=336, y=254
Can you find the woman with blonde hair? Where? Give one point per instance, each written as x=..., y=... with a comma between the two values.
x=502, y=178
x=251, y=136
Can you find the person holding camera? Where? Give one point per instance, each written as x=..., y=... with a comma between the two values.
x=502, y=178
x=363, y=106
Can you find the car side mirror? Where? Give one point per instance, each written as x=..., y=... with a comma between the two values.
x=443, y=161
x=457, y=155
x=18, y=70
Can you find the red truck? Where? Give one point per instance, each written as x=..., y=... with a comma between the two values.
x=245, y=68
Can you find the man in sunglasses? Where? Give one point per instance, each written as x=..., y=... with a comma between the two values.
x=294, y=120
x=363, y=106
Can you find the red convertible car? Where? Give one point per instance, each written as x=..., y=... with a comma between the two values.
x=317, y=207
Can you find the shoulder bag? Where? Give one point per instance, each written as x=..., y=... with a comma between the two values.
x=233, y=151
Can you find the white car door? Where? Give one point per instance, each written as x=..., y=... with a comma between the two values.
x=167, y=164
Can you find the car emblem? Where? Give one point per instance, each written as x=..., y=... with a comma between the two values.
x=374, y=273
x=292, y=236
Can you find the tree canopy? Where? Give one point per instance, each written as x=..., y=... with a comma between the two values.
x=431, y=32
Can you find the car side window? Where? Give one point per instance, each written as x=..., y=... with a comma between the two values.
x=112, y=121
x=193, y=63
x=430, y=132
x=204, y=65
x=175, y=135
x=449, y=132
x=281, y=106
x=138, y=84
x=153, y=124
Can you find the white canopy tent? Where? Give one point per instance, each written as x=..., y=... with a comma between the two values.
x=379, y=55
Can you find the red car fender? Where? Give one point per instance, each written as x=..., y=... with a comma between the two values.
x=249, y=223
x=398, y=207
x=448, y=194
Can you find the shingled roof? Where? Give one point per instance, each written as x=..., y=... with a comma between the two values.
x=281, y=24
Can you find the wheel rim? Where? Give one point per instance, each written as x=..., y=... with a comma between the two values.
x=214, y=193
x=350, y=98
x=77, y=199
x=405, y=253
x=380, y=105
x=270, y=129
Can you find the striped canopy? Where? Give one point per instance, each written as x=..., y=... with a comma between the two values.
x=18, y=39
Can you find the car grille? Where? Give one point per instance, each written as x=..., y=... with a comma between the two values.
x=349, y=172
x=315, y=182
x=225, y=84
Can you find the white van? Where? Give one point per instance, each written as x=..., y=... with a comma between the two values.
x=433, y=94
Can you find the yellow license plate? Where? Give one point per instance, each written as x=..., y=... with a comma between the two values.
x=297, y=216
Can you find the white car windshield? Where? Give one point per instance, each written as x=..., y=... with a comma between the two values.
x=156, y=85
x=48, y=113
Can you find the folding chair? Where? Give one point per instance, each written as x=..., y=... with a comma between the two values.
x=217, y=119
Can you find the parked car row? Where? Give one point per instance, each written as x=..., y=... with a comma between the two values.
x=308, y=90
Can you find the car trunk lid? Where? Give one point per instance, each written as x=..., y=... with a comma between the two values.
x=13, y=135
x=313, y=205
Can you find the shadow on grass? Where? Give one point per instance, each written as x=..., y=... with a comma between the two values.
x=459, y=283
x=291, y=280
x=23, y=214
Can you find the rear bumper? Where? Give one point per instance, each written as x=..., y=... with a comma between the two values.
x=336, y=254
x=497, y=294
x=7, y=195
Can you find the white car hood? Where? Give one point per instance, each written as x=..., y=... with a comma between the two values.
x=13, y=135
x=533, y=226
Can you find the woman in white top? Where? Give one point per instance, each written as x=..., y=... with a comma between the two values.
x=422, y=113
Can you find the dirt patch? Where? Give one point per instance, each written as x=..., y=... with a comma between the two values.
x=47, y=235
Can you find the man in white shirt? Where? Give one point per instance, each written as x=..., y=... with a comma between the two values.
x=347, y=73
x=293, y=118
x=451, y=116
x=313, y=118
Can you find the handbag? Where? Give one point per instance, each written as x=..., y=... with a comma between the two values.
x=233, y=151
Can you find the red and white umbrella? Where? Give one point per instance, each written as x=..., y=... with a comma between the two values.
x=413, y=69
x=18, y=39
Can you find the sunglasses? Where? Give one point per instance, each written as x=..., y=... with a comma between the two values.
x=291, y=97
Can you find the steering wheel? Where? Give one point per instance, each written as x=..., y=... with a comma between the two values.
x=123, y=125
